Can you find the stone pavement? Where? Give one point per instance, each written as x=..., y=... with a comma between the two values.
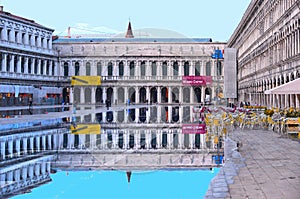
x=267, y=165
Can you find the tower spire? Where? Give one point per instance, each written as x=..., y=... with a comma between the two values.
x=129, y=33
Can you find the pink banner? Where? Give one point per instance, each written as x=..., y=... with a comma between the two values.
x=193, y=128
x=197, y=80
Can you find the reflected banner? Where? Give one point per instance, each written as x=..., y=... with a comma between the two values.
x=193, y=128
x=86, y=81
x=197, y=80
x=85, y=129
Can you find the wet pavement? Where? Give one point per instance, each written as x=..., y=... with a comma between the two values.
x=267, y=165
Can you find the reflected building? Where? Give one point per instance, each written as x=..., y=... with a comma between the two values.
x=267, y=41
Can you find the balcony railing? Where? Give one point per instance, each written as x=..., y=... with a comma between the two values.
x=22, y=76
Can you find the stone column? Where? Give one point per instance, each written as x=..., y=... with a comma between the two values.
x=10, y=149
x=37, y=169
x=30, y=171
x=159, y=94
x=43, y=168
x=114, y=140
x=180, y=140
x=82, y=100
x=17, y=148
x=125, y=137
x=49, y=142
x=2, y=151
x=148, y=139
x=126, y=94
x=202, y=94
x=191, y=139
x=93, y=95
x=11, y=36
x=137, y=115
x=31, y=145
x=115, y=95
x=159, y=114
x=2, y=178
x=16, y=175
x=24, y=173
x=9, y=177
x=148, y=93
x=56, y=68
x=43, y=143
x=24, y=140
x=11, y=64
x=104, y=94
x=137, y=95
x=4, y=32
x=170, y=140
x=32, y=65
x=169, y=114
x=45, y=67
x=191, y=95
x=3, y=61
x=48, y=166
x=26, y=65
x=37, y=142
x=39, y=72
x=180, y=94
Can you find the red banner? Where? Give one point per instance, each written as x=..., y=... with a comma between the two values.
x=197, y=80
x=193, y=128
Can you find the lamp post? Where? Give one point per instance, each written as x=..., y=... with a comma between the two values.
x=217, y=55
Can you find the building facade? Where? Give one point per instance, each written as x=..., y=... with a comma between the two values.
x=28, y=65
x=267, y=41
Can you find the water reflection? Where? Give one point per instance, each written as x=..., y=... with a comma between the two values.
x=113, y=184
x=123, y=138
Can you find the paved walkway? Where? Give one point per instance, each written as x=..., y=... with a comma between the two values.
x=267, y=165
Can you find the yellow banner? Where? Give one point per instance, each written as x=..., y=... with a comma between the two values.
x=85, y=129
x=86, y=80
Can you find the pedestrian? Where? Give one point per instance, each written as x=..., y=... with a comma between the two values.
x=30, y=102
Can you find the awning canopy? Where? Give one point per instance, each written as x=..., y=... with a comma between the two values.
x=292, y=87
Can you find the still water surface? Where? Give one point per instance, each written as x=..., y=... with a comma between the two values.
x=183, y=184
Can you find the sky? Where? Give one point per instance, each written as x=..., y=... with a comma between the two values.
x=216, y=19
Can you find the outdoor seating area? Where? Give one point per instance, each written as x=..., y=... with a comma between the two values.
x=220, y=121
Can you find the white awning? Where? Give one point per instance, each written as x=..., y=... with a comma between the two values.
x=15, y=89
x=292, y=87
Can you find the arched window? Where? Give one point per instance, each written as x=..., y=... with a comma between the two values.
x=143, y=69
x=29, y=65
x=153, y=68
x=175, y=69
x=197, y=69
x=186, y=69
x=219, y=68
x=99, y=69
x=164, y=69
x=208, y=69
x=47, y=67
x=53, y=68
x=88, y=69
x=131, y=68
x=66, y=69
x=76, y=69
x=121, y=69
x=110, y=69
